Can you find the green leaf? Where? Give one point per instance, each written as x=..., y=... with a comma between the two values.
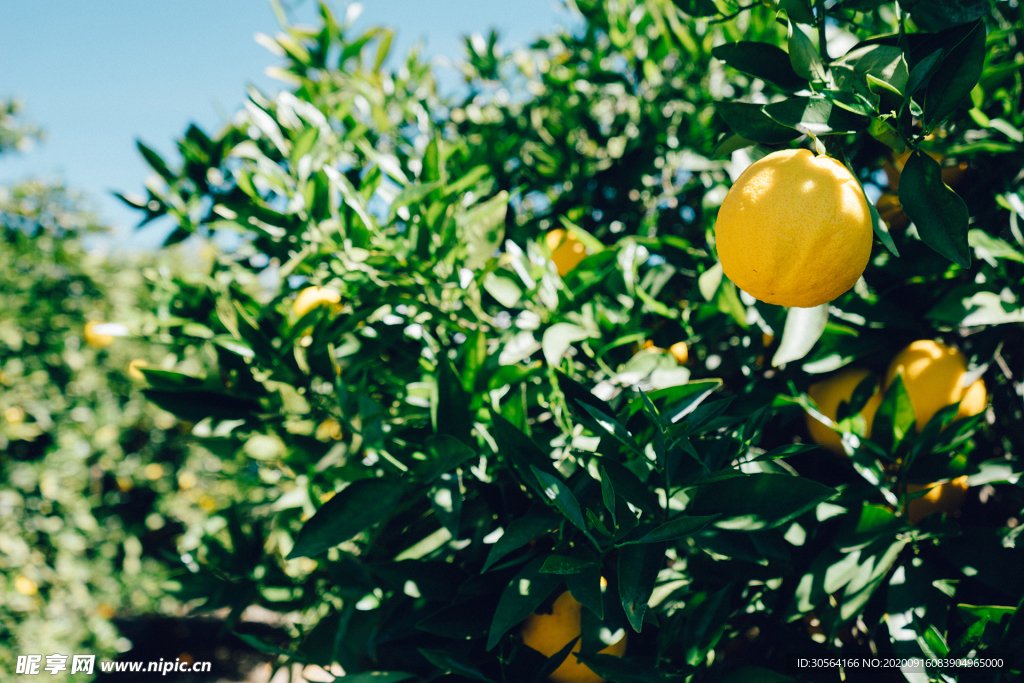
x=761, y=60
x=627, y=670
x=851, y=102
x=412, y=194
x=503, y=288
x=749, y=121
x=450, y=412
x=638, y=570
x=453, y=664
x=521, y=531
x=575, y=394
x=586, y=588
x=971, y=310
x=521, y=452
x=940, y=214
x=676, y=528
x=558, y=338
x=387, y=35
x=524, y=594
x=757, y=501
x=562, y=564
x=235, y=346
x=881, y=130
x=972, y=614
x=156, y=162
x=985, y=244
x=804, y=327
x=360, y=504
x=591, y=243
x=377, y=677
x=882, y=62
x=555, y=660
x=630, y=487
x=611, y=426
x=816, y=115
x=922, y=72
x=303, y=145
x=170, y=381
x=483, y=228
x=556, y=490
x=797, y=10
x=683, y=400
x=894, y=418
x=197, y=405
x=936, y=15
x=785, y=451
x=447, y=453
x=955, y=78
x=607, y=492
x=697, y=8
x=462, y=620
x=804, y=56
x=729, y=143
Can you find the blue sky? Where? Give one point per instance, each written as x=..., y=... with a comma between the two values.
x=98, y=75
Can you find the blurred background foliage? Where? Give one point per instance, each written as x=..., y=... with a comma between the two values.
x=426, y=421
x=95, y=486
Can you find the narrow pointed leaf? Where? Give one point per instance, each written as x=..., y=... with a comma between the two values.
x=558, y=492
x=527, y=590
x=357, y=506
x=638, y=570
x=679, y=527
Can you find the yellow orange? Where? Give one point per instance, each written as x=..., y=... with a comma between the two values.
x=680, y=351
x=566, y=250
x=549, y=633
x=891, y=211
x=828, y=394
x=96, y=339
x=794, y=230
x=974, y=400
x=933, y=374
x=311, y=297
x=25, y=585
x=135, y=368
x=946, y=497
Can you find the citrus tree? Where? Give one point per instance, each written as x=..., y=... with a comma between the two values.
x=553, y=379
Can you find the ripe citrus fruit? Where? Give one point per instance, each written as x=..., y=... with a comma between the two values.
x=941, y=497
x=566, y=250
x=933, y=374
x=891, y=211
x=794, y=230
x=97, y=338
x=135, y=368
x=974, y=400
x=951, y=175
x=680, y=351
x=549, y=633
x=828, y=394
x=311, y=297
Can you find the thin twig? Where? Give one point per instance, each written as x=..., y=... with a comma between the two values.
x=822, y=41
x=735, y=14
